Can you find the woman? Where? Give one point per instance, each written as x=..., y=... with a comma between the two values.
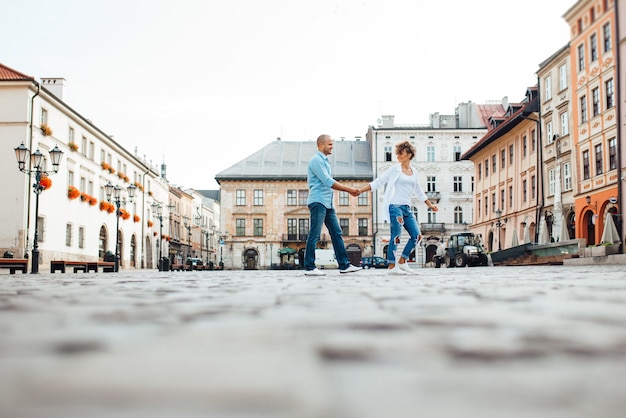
x=402, y=183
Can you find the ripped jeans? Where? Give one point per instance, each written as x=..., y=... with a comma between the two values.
x=401, y=216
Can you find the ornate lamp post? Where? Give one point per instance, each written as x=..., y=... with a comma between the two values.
x=115, y=192
x=498, y=226
x=36, y=168
x=157, y=210
x=188, y=227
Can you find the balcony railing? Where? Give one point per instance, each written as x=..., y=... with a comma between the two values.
x=301, y=237
x=433, y=196
x=437, y=227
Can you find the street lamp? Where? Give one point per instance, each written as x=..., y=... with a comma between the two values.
x=188, y=227
x=36, y=168
x=115, y=193
x=157, y=210
x=498, y=225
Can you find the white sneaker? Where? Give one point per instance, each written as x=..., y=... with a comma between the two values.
x=314, y=272
x=350, y=269
x=405, y=267
x=396, y=271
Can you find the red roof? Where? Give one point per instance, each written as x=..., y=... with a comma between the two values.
x=486, y=111
x=9, y=74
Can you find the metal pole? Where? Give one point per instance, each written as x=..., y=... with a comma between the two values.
x=34, y=269
x=117, y=236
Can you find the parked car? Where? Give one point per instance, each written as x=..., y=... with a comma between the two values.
x=374, y=263
x=325, y=259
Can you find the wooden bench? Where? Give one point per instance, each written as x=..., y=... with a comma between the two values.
x=107, y=266
x=62, y=264
x=14, y=264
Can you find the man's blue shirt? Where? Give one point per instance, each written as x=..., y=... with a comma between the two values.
x=320, y=180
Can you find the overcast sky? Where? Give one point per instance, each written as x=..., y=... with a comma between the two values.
x=183, y=79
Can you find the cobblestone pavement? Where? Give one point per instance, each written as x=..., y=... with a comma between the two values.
x=543, y=341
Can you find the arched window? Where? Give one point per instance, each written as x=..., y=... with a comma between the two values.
x=102, y=242
x=133, y=247
x=458, y=215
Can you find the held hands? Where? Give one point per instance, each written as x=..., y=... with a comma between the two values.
x=355, y=192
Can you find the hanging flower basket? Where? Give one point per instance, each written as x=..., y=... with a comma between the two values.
x=72, y=192
x=111, y=170
x=150, y=224
x=125, y=215
x=45, y=129
x=45, y=182
x=139, y=186
x=155, y=233
x=104, y=165
x=104, y=206
x=111, y=208
x=136, y=218
x=93, y=201
x=84, y=197
x=73, y=146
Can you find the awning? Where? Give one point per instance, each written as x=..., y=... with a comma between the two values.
x=286, y=250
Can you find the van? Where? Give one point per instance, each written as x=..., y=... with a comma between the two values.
x=325, y=259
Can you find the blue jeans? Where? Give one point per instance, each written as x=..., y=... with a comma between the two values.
x=401, y=216
x=321, y=215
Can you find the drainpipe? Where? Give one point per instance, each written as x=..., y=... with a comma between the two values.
x=30, y=147
x=540, y=185
x=374, y=195
x=618, y=112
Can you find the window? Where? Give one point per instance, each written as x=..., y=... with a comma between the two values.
x=81, y=237
x=583, y=108
x=564, y=123
x=68, y=235
x=524, y=146
x=363, y=230
x=458, y=184
x=240, y=227
x=612, y=154
x=430, y=153
x=303, y=197
x=362, y=199
x=457, y=153
x=432, y=216
x=458, y=215
x=92, y=150
x=344, y=223
x=431, y=184
x=303, y=229
x=598, y=153
x=610, y=94
x=548, y=88
x=240, y=197
x=533, y=140
x=549, y=132
x=593, y=47
x=480, y=171
x=70, y=178
x=502, y=198
x=494, y=164
x=292, y=197
x=525, y=190
x=511, y=154
x=478, y=208
x=486, y=168
x=606, y=31
x=567, y=176
x=595, y=102
x=581, y=57
x=102, y=156
x=258, y=197
x=493, y=202
x=83, y=146
x=551, y=182
x=562, y=77
x=70, y=135
x=586, y=174
x=472, y=184
x=387, y=152
x=344, y=198
x=502, y=159
x=533, y=188
x=258, y=227
x=486, y=205
x=292, y=229
x=44, y=117
x=510, y=196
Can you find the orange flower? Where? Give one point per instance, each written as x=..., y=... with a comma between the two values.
x=73, y=146
x=111, y=208
x=155, y=233
x=93, y=201
x=104, y=206
x=136, y=218
x=84, y=197
x=150, y=223
x=45, y=182
x=72, y=192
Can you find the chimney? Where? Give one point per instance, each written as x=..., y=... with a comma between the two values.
x=54, y=85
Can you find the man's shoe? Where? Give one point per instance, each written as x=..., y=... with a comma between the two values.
x=397, y=271
x=405, y=267
x=350, y=269
x=314, y=272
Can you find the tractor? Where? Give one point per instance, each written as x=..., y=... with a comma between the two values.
x=464, y=249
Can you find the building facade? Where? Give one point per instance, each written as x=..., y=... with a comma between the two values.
x=75, y=220
x=264, y=212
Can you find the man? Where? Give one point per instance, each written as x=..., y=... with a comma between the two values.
x=321, y=185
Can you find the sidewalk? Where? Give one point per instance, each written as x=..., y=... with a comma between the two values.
x=491, y=342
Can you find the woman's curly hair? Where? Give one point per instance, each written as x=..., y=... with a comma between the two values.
x=405, y=146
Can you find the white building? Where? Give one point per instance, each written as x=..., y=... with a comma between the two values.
x=70, y=227
x=447, y=180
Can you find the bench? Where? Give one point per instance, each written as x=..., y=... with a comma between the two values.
x=107, y=266
x=62, y=264
x=14, y=264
